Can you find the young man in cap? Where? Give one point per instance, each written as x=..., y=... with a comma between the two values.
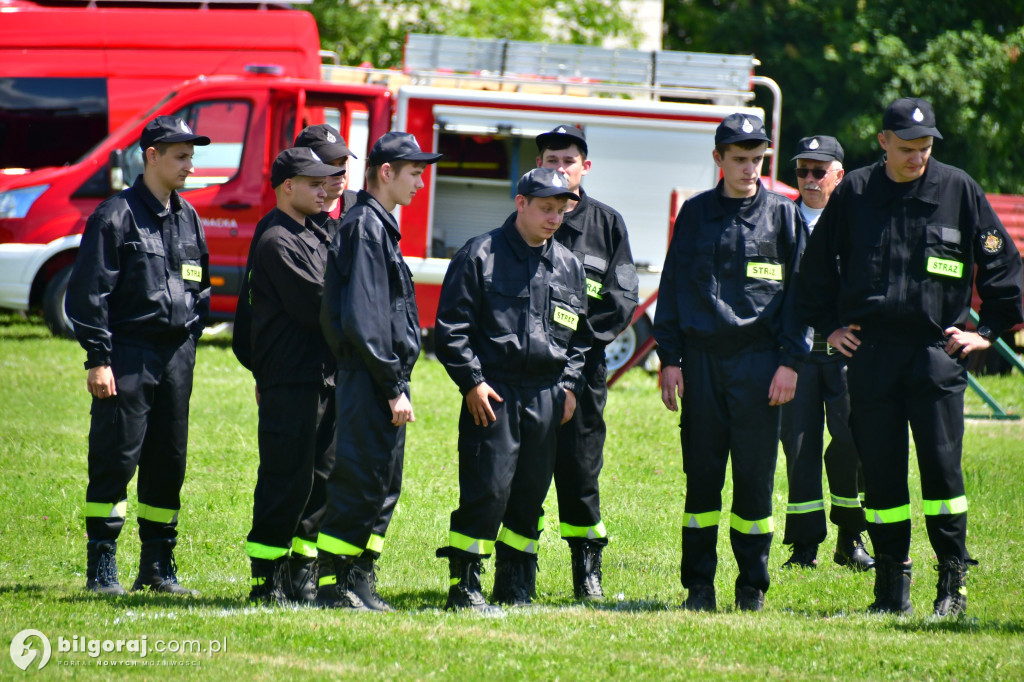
x=512, y=333
x=596, y=234
x=726, y=324
x=821, y=399
x=888, y=276
x=370, y=320
x=294, y=371
x=138, y=298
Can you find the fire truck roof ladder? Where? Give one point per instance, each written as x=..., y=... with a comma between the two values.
x=719, y=78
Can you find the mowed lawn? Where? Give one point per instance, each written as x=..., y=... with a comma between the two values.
x=814, y=625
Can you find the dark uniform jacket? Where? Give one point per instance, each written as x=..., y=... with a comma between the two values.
x=596, y=234
x=287, y=284
x=142, y=274
x=369, y=313
x=728, y=279
x=898, y=258
x=512, y=313
x=241, y=341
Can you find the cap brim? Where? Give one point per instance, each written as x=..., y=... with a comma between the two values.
x=200, y=140
x=917, y=132
x=815, y=157
x=421, y=157
x=543, y=139
x=331, y=152
x=554, y=192
x=744, y=138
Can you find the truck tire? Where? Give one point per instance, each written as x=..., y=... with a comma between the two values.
x=53, y=304
x=618, y=352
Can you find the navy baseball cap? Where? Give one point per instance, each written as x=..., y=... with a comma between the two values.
x=300, y=161
x=740, y=128
x=910, y=118
x=399, y=147
x=169, y=129
x=567, y=134
x=819, y=148
x=545, y=182
x=325, y=140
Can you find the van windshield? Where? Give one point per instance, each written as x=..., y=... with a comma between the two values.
x=50, y=121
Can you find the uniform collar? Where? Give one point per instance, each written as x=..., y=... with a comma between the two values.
x=152, y=203
x=751, y=210
x=520, y=248
x=309, y=231
x=925, y=189
x=574, y=219
x=389, y=220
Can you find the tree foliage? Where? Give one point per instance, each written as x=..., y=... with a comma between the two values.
x=840, y=64
x=374, y=32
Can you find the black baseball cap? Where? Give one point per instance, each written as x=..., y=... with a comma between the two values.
x=545, y=182
x=399, y=147
x=299, y=161
x=169, y=129
x=740, y=128
x=325, y=140
x=819, y=148
x=568, y=134
x=910, y=118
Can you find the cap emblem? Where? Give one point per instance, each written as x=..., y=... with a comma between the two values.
x=184, y=126
x=561, y=129
x=315, y=157
x=917, y=115
x=747, y=127
x=814, y=144
x=331, y=138
x=556, y=180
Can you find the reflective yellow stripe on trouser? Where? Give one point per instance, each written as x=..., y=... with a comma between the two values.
x=805, y=507
x=303, y=547
x=702, y=520
x=848, y=502
x=257, y=551
x=755, y=527
x=471, y=545
x=157, y=514
x=106, y=510
x=958, y=505
x=336, y=546
x=894, y=515
x=517, y=541
x=588, y=532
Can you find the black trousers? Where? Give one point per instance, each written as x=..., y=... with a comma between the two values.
x=505, y=470
x=297, y=444
x=821, y=399
x=580, y=456
x=893, y=385
x=364, y=486
x=144, y=426
x=725, y=413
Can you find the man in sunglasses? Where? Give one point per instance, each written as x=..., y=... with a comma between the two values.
x=888, y=274
x=821, y=399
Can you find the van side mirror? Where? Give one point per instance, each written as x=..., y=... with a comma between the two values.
x=117, y=170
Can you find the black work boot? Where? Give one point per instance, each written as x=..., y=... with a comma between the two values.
x=335, y=583
x=157, y=568
x=892, y=586
x=951, y=597
x=101, y=567
x=269, y=581
x=465, y=591
x=701, y=598
x=749, y=598
x=586, y=569
x=804, y=556
x=301, y=585
x=363, y=581
x=511, y=579
x=850, y=552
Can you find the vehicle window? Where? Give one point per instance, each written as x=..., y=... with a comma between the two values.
x=225, y=123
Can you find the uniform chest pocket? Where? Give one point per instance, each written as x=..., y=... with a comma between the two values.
x=507, y=303
x=696, y=258
x=191, y=266
x=596, y=268
x=145, y=263
x=404, y=290
x=943, y=252
x=762, y=270
x=564, y=308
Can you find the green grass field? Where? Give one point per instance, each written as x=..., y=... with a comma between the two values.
x=814, y=625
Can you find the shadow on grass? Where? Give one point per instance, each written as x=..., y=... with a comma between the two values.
x=924, y=623
x=157, y=600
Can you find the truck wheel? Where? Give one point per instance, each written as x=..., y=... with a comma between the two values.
x=53, y=304
x=618, y=352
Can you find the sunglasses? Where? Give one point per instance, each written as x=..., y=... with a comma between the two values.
x=818, y=173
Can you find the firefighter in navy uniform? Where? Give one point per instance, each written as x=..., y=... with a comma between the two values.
x=512, y=333
x=332, y=149
x=370, y=319
x=138, y=297
x=596, y=234
x=821, y=399
x=726, y=324
x=888, y=275
x=294, y=371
